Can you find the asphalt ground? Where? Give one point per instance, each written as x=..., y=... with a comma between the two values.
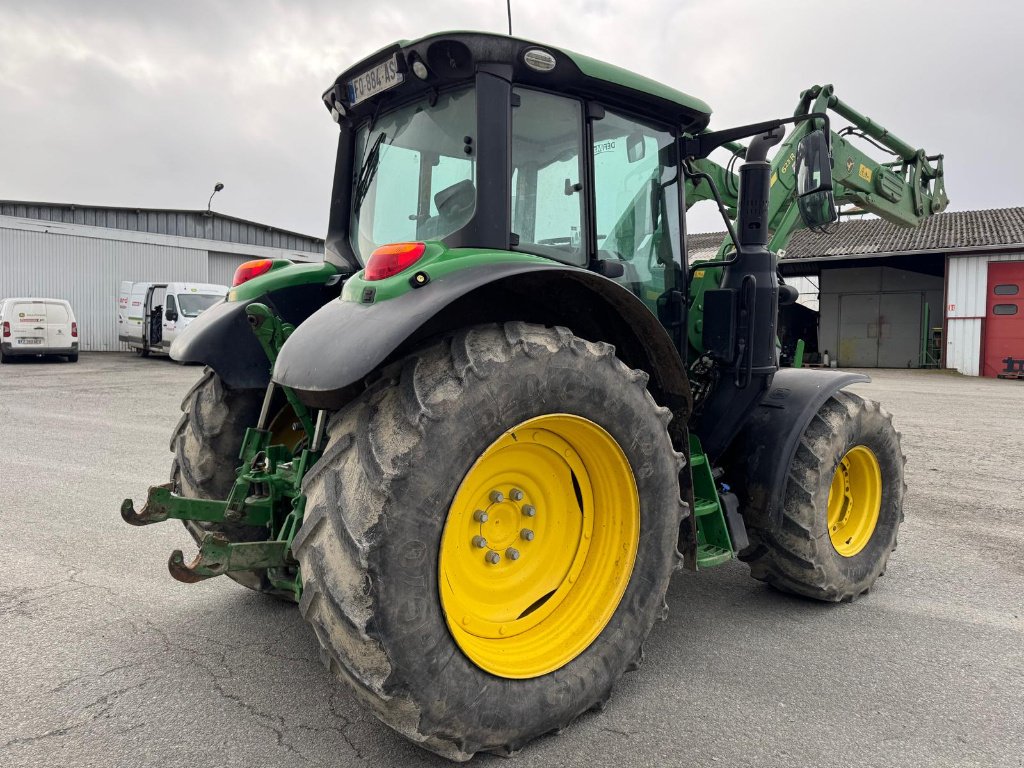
x=106, y=661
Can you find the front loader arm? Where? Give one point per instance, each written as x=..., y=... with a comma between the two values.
x=905, y=190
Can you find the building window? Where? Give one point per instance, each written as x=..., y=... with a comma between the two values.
x=1006, y=290
x=1004, y=309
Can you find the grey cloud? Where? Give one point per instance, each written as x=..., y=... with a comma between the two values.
x=149, y=103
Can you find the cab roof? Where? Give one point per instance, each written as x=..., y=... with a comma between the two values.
x=573, y=73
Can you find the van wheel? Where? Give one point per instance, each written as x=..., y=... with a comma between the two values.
x=206, y=443
x=73, y=358
x=6, y=358
x=141, y=352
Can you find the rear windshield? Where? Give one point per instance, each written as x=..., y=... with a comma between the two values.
x=192, y=304
x=29, y=312
x=57, y=313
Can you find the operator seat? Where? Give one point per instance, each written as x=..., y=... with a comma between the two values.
x=455, y=205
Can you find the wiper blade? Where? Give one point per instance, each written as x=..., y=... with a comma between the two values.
x=368, y=171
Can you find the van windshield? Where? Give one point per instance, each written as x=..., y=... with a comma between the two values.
x=191, y=304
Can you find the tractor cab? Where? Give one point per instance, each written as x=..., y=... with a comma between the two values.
x=489, y=142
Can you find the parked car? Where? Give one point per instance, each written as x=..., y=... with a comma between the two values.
x=151, y=315
x=34, y=327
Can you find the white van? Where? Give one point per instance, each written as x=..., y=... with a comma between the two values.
x=151, y=315
x=32, y=327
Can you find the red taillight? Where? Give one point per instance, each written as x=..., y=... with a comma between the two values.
x=7, y=330
x=251, y=269
x=391, y=259
x=74, y=330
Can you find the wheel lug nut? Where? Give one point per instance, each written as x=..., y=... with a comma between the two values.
x=493, y=557
x=526, y=534
x=529, y=510
x=480, y=541
x=480, y=516
x=511, y=553
x=497, y=497
x=515, y=494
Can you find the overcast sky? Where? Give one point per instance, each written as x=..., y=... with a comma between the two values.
x=148, y=104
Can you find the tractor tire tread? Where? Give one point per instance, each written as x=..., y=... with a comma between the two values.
x=205, y=443
x=351, y=491
x=798, y=556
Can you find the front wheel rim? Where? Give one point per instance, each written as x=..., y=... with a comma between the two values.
x=539, y=546
x=854, y=500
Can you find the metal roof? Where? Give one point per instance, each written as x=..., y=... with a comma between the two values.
x=164, y=221
x=993, y=229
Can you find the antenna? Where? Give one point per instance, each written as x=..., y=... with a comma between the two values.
x=508, y=4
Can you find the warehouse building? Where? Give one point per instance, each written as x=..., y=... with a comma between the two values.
x=81, y=253
x=948, y=294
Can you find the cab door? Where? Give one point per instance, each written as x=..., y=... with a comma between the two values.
x=636, y=209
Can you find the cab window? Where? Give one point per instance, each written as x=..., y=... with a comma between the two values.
x=636, y=204
x=547, y=176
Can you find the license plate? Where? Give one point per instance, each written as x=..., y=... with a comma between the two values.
x=30, y=341
x=385, y=75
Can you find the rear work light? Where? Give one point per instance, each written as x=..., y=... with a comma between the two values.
x=391, y=259
x=74, y=330
x=251, y=269
x=7, y=330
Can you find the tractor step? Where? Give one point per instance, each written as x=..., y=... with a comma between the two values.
x=709, y=555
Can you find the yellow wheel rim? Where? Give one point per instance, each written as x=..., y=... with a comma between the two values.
x=854, y=500
x=539, y=546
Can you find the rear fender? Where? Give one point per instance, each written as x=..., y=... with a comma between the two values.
x=346, y=340
x=221, y=337
x=758, y=460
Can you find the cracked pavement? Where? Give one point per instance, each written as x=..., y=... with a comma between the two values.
x=107, y=661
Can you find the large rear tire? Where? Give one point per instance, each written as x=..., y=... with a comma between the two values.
x=843, y=505
x=206, y=443
x=413, y=595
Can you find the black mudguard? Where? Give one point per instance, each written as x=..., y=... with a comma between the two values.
x=347, y=340
x=758, y=460
x=222, y=339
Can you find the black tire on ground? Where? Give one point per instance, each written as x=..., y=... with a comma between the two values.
x=206, y=443
x=376, y=507
x=73, y=358
x=799, y=556
x=6, y=358
x=141, y=351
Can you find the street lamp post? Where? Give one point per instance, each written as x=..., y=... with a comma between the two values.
x=216, y=188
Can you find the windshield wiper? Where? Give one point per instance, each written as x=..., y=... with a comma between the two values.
x=368, y=171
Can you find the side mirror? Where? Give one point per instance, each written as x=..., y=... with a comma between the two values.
x=814, y=181
x=171, y=315
x=635, y=148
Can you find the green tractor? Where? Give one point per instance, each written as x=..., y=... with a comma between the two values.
x=476, y=441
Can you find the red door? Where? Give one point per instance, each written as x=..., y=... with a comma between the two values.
x=1004, y=319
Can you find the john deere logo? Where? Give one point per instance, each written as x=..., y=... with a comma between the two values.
x=849, y=165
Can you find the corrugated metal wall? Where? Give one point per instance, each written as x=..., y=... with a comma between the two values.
x=967, y=286
x=87, y=272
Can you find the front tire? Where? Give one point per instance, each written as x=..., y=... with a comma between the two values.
x=389, y=523
x=843, y=505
